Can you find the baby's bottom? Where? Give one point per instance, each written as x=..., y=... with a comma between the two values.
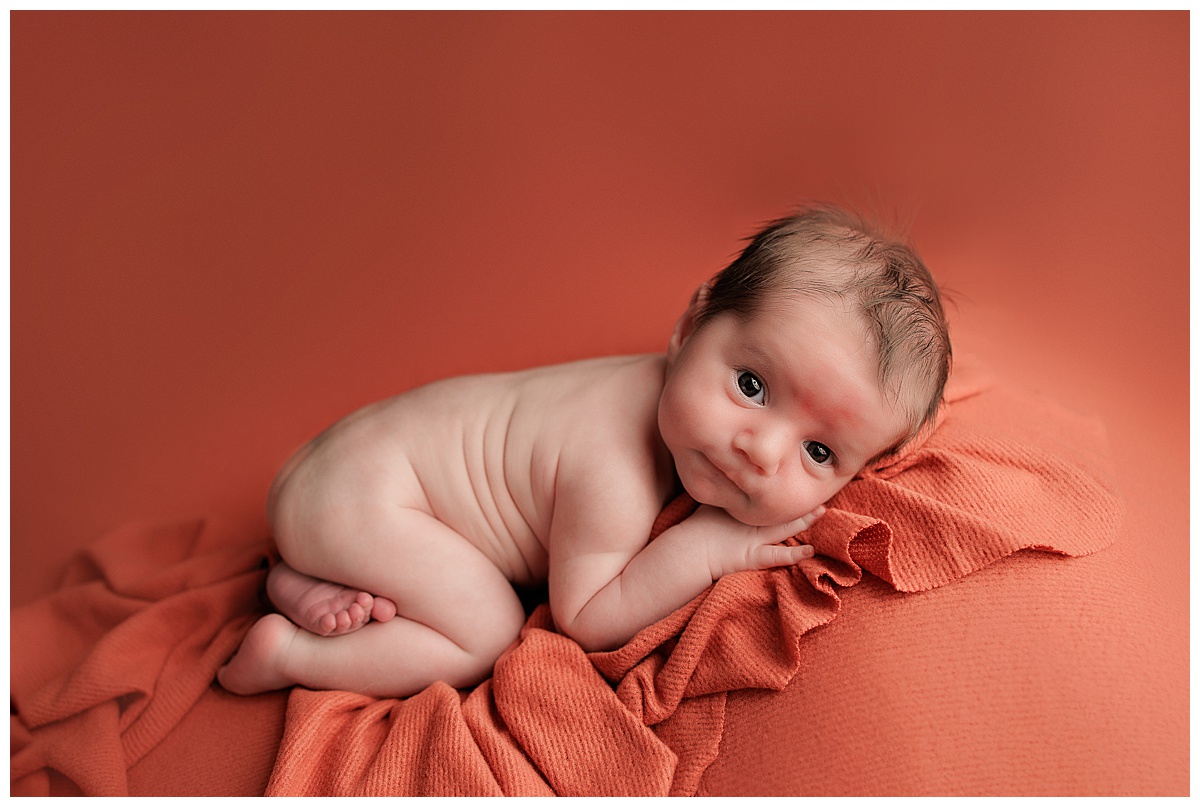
x=455, y=613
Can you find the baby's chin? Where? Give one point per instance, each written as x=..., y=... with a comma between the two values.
x=756, y=519
x=748, y=513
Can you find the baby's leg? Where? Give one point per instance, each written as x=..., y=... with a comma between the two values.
x=316, y=604
x=322, y=607
x=456, y=613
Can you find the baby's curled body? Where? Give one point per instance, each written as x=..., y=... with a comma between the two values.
x=439, y=500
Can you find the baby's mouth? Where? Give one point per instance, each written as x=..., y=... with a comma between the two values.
x=732, y=480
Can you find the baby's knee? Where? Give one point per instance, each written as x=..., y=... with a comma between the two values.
x=496, y=633
x=478, y=666
x=471, y=671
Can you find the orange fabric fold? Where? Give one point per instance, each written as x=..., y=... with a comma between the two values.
x=108, y=665
x=1002, y=472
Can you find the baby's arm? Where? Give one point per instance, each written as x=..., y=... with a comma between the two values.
x=607, y=583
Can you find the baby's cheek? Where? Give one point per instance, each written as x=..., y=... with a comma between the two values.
x=802, y=502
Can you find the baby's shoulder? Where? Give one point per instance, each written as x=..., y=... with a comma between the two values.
x=600, y=419
x=610, y=400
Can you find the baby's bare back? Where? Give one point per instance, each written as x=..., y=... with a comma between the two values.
x=480, y=453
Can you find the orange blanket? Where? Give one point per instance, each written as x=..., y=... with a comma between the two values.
x=105, y=668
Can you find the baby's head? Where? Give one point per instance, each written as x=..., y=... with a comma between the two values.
x=825, y=252
x=821, y=348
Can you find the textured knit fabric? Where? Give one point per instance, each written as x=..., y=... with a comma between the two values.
x=106, y=667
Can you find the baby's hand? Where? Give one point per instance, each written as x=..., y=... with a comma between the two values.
x=736, y=547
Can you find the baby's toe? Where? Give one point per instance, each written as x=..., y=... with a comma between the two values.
x=383, y=609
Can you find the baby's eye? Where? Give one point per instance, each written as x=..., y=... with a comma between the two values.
x=751, y=386
x=819, y=452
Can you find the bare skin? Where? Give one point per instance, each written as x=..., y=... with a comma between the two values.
x=321, y=607
x=404, y=526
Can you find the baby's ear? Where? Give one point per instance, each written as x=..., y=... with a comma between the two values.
x=686, y=324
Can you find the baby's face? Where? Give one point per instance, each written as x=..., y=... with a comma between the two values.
x=770, y=417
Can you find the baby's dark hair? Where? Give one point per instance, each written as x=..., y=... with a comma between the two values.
x=825, y=251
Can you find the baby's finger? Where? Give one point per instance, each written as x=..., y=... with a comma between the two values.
x=773, y=555
x=798, y=525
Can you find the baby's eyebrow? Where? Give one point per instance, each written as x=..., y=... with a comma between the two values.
x=754, y=351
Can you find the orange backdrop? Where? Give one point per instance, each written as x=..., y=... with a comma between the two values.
x=229, y=229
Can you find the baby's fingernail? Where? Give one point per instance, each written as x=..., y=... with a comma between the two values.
x=807, y=551
x=820, y=511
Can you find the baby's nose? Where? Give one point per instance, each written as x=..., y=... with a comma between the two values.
x=763, y=448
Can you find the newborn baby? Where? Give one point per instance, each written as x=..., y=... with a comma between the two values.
x=403, y=527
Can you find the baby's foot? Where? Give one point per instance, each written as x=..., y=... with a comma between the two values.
x=258, y=664
x=321, y=607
